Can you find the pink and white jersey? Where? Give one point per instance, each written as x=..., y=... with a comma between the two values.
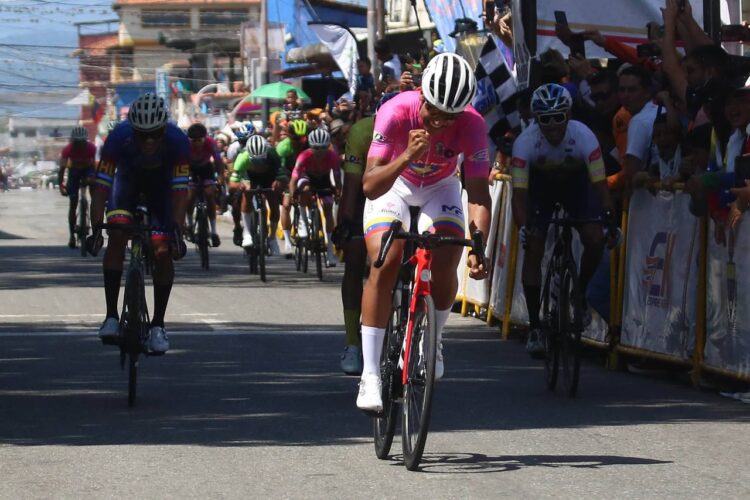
x=310, y=165
x=468, y=135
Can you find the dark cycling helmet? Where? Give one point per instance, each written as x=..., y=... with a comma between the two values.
x=197, y=131
x=298, y=127
x=319, y=138
x=79, y=134
x=448, y=83
x=148, y=113
x=551, y=98
x=257, y=147
x=385, y=98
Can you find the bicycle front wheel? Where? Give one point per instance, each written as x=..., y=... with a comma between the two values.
x=83, y=229
x=384, y=426
x=420, y=382
x=569, y=331
x=135, y=310
x=262, y=243
x=549, y=322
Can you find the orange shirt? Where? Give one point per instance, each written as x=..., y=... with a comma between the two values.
x=620, y=124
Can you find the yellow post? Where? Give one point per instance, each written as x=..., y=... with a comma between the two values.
x=511, y=280
x=615, y=320
x=490, y=312
x=700, y=313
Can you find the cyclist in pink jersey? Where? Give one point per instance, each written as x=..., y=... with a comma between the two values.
x=412, y=161
x=313, y=171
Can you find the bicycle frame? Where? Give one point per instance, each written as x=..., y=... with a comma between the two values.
x=422, y=260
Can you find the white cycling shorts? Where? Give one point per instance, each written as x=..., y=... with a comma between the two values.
x=441, y=209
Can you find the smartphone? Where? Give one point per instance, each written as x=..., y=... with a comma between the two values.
x=561, y=18
x=489, y=10
x=741, y=170
x=735, y=33
x=648, y=50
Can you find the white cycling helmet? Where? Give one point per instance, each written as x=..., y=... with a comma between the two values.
x=319, y=138
x=79, y=134
x=257, y=146
x=148, y=113
x=448, y=83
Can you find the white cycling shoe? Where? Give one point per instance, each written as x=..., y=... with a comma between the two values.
x=439, y=365
x=110, y=329
x=369, y=398
x=158, y=342
x=247, y=241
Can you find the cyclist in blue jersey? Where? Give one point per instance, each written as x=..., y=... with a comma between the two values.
x=144, y=160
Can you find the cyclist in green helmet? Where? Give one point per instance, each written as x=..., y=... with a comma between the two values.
x=288, y=150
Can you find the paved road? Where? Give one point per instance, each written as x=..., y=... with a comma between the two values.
x=249, y=402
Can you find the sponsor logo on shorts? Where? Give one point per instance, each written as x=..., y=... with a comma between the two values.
x=353, y=159
x=452, y=209
x=595, y=154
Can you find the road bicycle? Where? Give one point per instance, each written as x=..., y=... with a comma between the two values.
x=562, y=310
x=134, y=321
x=313, y=242
x=200, y=228
x=257, y=253
x=407, y=364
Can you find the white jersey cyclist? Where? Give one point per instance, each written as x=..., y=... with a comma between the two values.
x=578, y=150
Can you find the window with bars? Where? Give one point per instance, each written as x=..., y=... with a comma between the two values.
x=165, y=18
x=223, y=17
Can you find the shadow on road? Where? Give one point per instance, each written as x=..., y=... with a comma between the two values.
x=462, y=463
x=268, y=388
x=58, y=266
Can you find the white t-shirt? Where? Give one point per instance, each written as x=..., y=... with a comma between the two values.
x=394, y=64
x=640, y=130
x=233, y=150
x=734, y=149
x=666, y=168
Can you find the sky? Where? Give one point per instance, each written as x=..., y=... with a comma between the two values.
x=36, y=40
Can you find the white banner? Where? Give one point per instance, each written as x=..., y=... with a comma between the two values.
x=623, y=20
x=343, y=47
x=728, y=302
x=661, y=275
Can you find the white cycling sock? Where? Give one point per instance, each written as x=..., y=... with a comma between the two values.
x=189, y=219
x=441, y=318
x=372, y=347
x=287, y=237
x=246, y=222
x=213, y=226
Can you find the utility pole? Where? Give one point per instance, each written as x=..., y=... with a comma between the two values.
x=264, y=56
x=372, y=36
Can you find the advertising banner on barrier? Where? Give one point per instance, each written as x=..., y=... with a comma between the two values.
x=478, y=292
x=728, y=302
x=661, y=275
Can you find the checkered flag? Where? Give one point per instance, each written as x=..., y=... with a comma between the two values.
x=496, y=90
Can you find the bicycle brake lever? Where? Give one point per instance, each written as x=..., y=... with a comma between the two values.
x=386, y=242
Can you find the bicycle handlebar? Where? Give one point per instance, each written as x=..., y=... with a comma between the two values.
x=135, y=228
x=427, y=240
x=259, y=190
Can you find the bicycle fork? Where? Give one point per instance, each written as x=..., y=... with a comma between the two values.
x=422, y=275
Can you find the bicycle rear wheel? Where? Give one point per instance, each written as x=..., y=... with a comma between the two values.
x=417, y=405
x=384, y=425
x=203, y=237
x=83, y=229
x=569, y=337
x=262, y=236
